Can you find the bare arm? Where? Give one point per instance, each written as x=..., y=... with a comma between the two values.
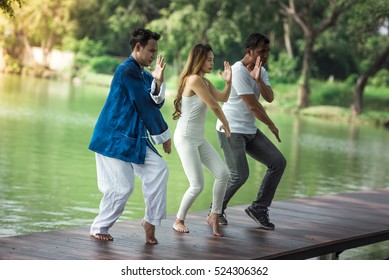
x=259, y=112
x=227, y=76
x=221, y=96
x=197, y=85
x=266, y=91
x=158, y=75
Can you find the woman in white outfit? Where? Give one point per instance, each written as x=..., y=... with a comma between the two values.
x=195, y=95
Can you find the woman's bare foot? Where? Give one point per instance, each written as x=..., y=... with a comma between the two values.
x=180, y=226
x=101, y=236
x=212, y=220
x=150, y=232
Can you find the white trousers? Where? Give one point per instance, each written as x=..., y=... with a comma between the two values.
x=193, y=155
x=116, y=181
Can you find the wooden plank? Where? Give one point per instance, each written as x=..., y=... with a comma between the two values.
x=305, y=228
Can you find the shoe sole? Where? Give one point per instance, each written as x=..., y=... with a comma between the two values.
x=256, y=220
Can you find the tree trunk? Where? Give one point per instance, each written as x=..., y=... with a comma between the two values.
x=15, y=51
x=304, y=85
x=47, y=47
x=303, y=94
x=28, y=55
x=287, y=36
x=304, y=19
x=357, y=103
x=356, y=106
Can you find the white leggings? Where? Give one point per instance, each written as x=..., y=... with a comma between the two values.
x=116, y=181
x=193, y=154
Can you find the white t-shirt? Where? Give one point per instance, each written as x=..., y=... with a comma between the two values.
x=239, y=117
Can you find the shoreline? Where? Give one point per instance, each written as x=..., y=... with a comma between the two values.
x=325, y=112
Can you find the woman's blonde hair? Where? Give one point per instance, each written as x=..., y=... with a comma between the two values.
x=197, y=56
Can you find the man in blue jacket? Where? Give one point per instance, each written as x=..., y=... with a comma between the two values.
x=121, y=143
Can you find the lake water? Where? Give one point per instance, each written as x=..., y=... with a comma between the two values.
x=48, y=176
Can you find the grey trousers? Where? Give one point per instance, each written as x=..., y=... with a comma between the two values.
x=260, y=148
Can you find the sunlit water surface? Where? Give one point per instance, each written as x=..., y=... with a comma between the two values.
x=48, y=176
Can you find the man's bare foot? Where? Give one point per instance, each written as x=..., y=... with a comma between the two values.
x=180, y=226
x=150, y=232
x=212, y=220
x=101, y=236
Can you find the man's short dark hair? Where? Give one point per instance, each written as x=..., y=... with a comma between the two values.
x=256, y=39
x=142, y=36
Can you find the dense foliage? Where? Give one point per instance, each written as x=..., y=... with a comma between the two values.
x=321, y=39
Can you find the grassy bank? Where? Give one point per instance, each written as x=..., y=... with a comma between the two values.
x=329, y=99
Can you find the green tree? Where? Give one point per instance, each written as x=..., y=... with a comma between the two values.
x=223, y=24
x=370, y=44
x=111, y=22
x=186, y=23
x=314, y=18
x=48, y=24
x=43, y=23
x=7, y=6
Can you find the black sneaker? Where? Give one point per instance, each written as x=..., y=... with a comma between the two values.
x=222, y=219
x=261, y=216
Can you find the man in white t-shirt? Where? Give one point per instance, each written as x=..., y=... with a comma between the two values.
x=249, y=82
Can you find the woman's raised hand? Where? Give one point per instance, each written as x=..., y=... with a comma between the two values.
x=227, y=73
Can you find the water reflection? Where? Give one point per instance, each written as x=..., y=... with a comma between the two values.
x=48, y=177
x=337, y=157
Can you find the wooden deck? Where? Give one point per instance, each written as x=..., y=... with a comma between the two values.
x=305, y=228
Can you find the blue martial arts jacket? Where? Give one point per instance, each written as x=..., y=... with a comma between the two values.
x=128, y=115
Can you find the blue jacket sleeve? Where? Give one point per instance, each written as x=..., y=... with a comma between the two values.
x=138, y=89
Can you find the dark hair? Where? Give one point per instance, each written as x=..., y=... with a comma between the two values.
x=142, y=36
x=255, y=39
